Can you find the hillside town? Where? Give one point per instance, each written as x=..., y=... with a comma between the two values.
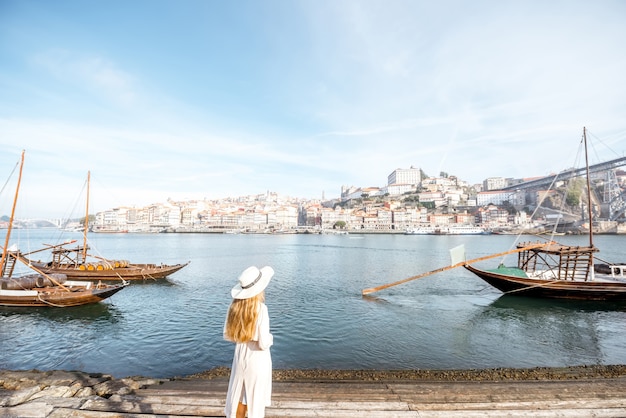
x=410, y=199
x=410, y=202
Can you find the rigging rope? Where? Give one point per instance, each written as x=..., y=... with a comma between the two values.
x=9, y=178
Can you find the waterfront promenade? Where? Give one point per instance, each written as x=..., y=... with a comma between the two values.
x=563, y=392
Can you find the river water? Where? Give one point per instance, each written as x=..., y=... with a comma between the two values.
x=319, y=318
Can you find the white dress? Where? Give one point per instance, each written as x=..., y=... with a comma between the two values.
x=251, y=371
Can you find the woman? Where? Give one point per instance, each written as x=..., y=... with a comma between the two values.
x=248, y=325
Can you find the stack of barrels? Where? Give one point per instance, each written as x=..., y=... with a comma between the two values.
x=104, y=265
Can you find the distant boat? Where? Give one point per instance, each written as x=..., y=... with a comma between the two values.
x=40, y=289
x=553, y=270
x=462, y=230
x=110, y=231
x=420, y=230
x=451, y=229
x=78, y=264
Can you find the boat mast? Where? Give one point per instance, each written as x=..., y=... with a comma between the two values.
x=86, y=226
x=6, y=241
x=588, y=190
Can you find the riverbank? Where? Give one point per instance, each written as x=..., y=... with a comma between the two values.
x=565, y=391
x=475, y=375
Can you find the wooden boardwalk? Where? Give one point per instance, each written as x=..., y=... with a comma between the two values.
x=605, y=397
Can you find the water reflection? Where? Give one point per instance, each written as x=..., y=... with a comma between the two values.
x=558, y=332
x=536, y=305
x=97, y=312
x=375, y=299
x=167, y=281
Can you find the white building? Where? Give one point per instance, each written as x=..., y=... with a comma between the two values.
x=398, y=189
x=494, y=183
x=499, y=197
x=405, y=176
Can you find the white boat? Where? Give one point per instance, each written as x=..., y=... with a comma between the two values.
x=451, y=229
x=463, y=230
x=421, y=230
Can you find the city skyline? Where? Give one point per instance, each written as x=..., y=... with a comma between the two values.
x=194, y=100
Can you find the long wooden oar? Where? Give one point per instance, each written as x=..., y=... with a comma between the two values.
x=439, y=270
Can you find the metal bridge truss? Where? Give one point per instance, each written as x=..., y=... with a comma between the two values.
x=613, y=195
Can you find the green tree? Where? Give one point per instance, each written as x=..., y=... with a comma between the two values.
x=574, y=192
x=339, y=225
x=573, y=197
x=92, y=220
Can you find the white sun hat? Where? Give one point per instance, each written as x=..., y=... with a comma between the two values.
x=252, y=282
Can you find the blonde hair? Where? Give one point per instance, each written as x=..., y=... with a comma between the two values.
x=242, y=317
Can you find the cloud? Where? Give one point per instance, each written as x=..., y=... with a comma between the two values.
x=318, y=95
x=93, y=73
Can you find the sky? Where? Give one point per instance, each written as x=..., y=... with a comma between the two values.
x=195, y=99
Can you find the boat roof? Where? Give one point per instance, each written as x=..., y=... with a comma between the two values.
x=556, y=248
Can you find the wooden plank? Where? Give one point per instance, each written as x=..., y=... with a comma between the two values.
x=173, y=400
x=125, y=407
x=569, y=413
x=173, y=392
x=563, y=413
x=199, y=397
x=618, y=404
x=275, y=413
x=340, y=405
x=304, y=413
x=75, y=413
x=525, y=391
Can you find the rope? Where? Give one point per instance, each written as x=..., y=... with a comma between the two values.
x=124, y=282
x=533, y=286
x=9, y=178
x=48, y=302
x=147, y=276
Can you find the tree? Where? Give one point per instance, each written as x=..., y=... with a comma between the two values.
x=91, y=219
x=574, y=192
x=573, y=198
x=339, y=225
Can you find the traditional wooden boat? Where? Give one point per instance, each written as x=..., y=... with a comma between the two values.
x=40, y=288
x=53, y=291
x=553, y=270
x=78, y=264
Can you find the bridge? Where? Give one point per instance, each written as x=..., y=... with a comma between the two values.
x=614, y=197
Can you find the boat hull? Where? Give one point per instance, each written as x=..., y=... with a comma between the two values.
x=130, y=272
x=554, y=289
x=60, y=297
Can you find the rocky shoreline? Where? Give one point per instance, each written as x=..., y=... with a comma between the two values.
x=497, y=374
